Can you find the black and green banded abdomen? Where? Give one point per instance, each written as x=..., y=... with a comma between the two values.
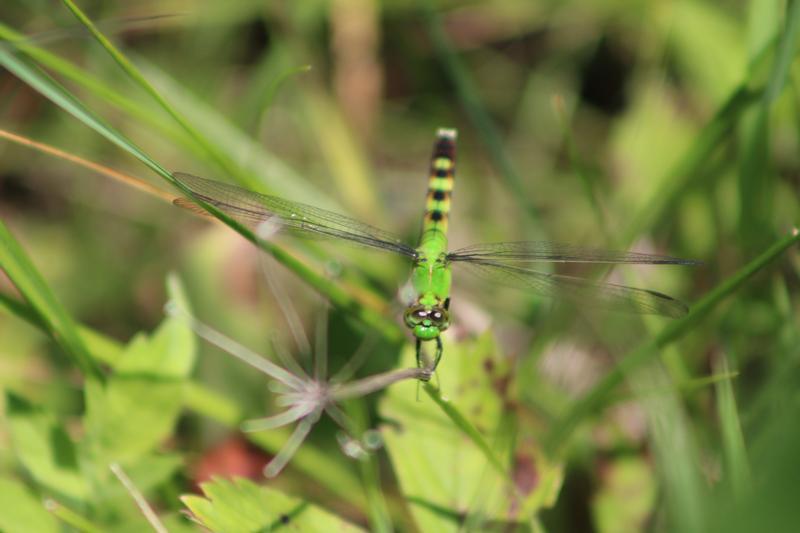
x=440, y=183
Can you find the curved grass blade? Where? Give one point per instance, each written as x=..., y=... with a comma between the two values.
x=684, y=172
x=599, y=396
x=756, y=188
x=472, y=102
x=581, y=291
x=116, y=25
x=24, y=275
x=36, y=78
x=467, y=428
x=734, y=450
x=103, y=170
x=555, y=252
x=221, y=158
x=71, y=518
x=252, y=209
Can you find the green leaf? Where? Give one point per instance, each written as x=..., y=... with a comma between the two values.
x=170, y=352
x=327, y=469
x=139, y=405
x=44, y=449
x=21, y=511
x=23, y=274
x=130, y=416
x=626, y=497
x=442, y=468
x=239, y=505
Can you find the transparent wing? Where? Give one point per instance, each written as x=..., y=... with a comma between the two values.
x=580, y=291
x=544, y=251
x=252, y=209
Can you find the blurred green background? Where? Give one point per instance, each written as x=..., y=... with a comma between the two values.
x=665, y=127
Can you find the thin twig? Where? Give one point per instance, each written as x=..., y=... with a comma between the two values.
x=234, y=348
x=377, y=382
x=137, y=496
x=100, y=169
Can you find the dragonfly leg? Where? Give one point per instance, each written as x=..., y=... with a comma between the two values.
x=422, y=362
x=439, y=350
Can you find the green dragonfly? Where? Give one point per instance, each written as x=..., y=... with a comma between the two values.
x=507, y=262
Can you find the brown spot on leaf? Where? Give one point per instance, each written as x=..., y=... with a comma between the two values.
x=526, y=475
x=230, y=458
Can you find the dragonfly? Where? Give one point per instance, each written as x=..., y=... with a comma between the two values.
x=508, y=263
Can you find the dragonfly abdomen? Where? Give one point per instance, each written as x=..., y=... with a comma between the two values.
x=440, y=183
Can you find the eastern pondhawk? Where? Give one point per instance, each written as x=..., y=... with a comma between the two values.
x=507, y=262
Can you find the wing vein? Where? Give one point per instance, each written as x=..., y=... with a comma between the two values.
x=252, y=208
x=545, y=251
x=581, y=291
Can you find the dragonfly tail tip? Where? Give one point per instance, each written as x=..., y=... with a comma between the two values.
x=447, y=133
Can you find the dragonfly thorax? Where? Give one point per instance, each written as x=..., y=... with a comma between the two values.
x=430, y=277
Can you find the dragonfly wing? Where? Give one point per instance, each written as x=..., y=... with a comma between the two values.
x=554, y=252
x=580, y=291
x=252, y=209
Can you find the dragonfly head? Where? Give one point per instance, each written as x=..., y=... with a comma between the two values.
x=426, y=321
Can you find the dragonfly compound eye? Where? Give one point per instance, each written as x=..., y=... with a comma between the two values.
x=416, y=315
x=440, y=318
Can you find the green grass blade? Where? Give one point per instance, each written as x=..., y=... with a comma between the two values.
x=473, y=104
x=75, y=74
x=43, y=83
x=71, y=518
x=56, y=93
x=580, y=169
x=786, y=53
x=466, y=427
x=597, y=397
x=21, y=310
x=221, y=158
x=210, y=149
x=680, y=176
x=379, y=518
x=674, y=447
x=756, y=178
x=24, y=275
x=270, y=174
x=102, y=348
x=270, y=77
x=734, y=451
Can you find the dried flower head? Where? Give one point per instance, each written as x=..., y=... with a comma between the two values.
x=304, y=397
